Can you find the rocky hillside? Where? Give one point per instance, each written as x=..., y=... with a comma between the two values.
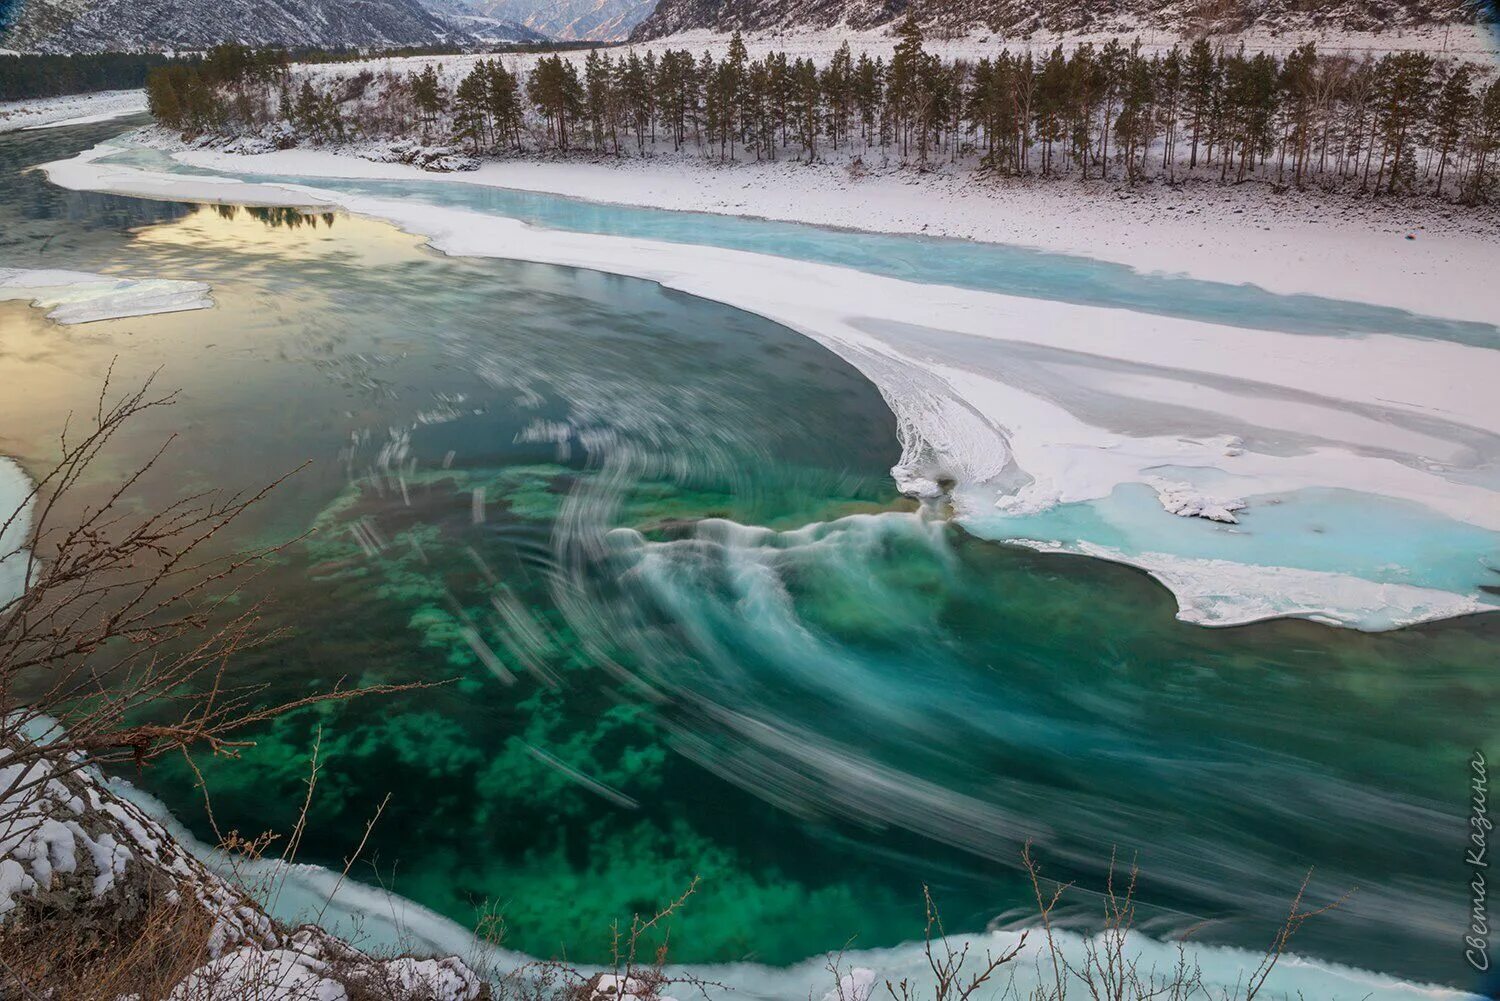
x=566, y=20
x=1025, y=17
x=98, y=900
x=99, y=25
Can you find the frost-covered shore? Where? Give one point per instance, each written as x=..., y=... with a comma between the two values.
x=73, y=109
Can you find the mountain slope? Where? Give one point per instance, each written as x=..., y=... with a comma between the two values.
x=96, y=25
x=1021, y=17
x=568, y=20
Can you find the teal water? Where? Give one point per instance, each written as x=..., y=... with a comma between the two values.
x=987, y=267
x=691, y=630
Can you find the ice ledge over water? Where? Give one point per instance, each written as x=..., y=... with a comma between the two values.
x=80, y=297
x=1226, y=593
x=1015, y=407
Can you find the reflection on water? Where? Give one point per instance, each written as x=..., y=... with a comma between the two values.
x=1011, y=270
x=692, y=630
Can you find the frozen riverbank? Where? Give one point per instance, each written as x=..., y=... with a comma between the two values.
x=1040, y=413
x=73, y=109
x=380, y=922
x=1293, y=243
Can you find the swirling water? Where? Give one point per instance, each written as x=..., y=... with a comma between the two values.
x=692, y=630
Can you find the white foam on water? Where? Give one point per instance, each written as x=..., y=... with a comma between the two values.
x=1028, y=404
x=80, y=297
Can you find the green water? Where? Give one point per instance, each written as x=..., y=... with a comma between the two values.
x=534, y=484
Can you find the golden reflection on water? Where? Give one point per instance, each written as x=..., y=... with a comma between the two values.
x=216, y=359
x=289, y=234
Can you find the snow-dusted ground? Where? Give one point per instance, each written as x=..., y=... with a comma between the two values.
x=74, y=109
x=1474, y=43
x=79, y=297
x=1029, y=404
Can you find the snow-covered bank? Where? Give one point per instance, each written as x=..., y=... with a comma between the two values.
x=73, y=109
x=381, y=921
x=1293, y=243
x=79, y=297
x=75, y=854
x=15, y=529
x=1033, y=406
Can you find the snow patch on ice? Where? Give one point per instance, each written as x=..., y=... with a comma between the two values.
x=80, y=297
x=1187, y=501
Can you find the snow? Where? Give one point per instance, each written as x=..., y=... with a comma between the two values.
x=1472, y=43
x=79, y=297
x=75, y=825
x=1187, y=501
x=1225, y=593
x=73, y=109
x=55, y=826
x=384, y=920
x=15, y=508
x=314, y=966
x=1291, y=244
x=1028, y=404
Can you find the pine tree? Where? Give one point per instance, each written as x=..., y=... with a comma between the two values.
x=1484, y=144
x=504, y=104
x=1199, y=84
x=1453, y=115
x=471, y=103
x=427, y=93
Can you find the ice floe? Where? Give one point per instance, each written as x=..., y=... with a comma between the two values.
x=15, y=528
x=80, y=297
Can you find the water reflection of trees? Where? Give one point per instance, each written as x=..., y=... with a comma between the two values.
x=278, y=217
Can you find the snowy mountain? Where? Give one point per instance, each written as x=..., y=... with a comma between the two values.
x=1022, y=17
x=568, y=20
x=95, y=25
x=484, y=21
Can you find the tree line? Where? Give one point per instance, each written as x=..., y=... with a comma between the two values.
x=25, y=76
x=1400, y=123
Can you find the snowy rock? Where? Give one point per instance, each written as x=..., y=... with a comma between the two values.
x=312, y=965
x=440, y=159
x=78, y=861
x=618, y=987
x=74, y=854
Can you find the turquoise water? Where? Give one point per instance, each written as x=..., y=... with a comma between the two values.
x=1362, y=535
x=689, y=628
x=987, y=267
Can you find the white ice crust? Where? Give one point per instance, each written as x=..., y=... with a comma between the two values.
x=15, y=527
x=1026, y=404
x=80, y=297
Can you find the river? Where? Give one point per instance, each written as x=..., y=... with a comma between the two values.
x=690, y=626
